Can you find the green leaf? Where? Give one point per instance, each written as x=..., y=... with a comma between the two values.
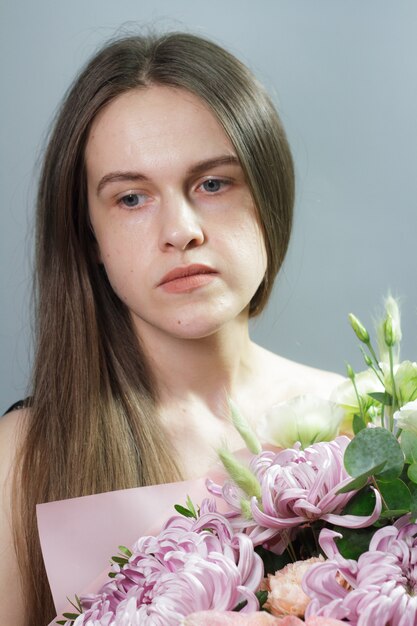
x=71, y=615
x=112, y=574
x=370, y=448
x=191, y=506
x=413, y=490
x=360, y=481
x=412, y=472
x=408, y=444
x=354, y=542
x=120, y=560
x=183, y=511
x=272, y=562
x=262, y=597
x=396, y=495
x=62, y=622
x=382, y=396
x=77, y=604
x=125, y=551
x=363, y=503
x=358, y=424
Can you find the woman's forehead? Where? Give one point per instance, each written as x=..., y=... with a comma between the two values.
x=155, y=127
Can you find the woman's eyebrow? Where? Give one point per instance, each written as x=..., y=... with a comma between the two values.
x=113, y=177
x=195, y=170
x=207, y=164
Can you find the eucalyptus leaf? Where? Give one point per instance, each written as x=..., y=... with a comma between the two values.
x=395, y=494
x=358, y=424
x=360, y=481
x=381, y=396
x=370, y=448
x=413, y=490
x=408, y=444
x=412, y=472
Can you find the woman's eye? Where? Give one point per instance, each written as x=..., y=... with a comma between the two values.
x=132, y=200
x=213, y=184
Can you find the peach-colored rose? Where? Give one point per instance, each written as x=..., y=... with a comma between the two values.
x=321, y=621
x=290, y=620
x=285, y=595
x=231, y=618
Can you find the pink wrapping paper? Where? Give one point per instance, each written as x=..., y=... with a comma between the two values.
x=79, y=535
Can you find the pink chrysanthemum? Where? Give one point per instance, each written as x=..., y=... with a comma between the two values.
x=297, y=487
x=380, y=588
x=192, y=565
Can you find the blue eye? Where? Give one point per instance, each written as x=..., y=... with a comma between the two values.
x=132, y=200
x=212, y=185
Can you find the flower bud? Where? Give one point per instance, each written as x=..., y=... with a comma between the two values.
x=393, y=330
x=349, y=371
x=366, y=357
x=360, y=330
x=389, y=335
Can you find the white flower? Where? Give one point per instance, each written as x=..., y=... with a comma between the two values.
x=307, y=419
x=406, y=417
x=344, y=394
x=406, y=381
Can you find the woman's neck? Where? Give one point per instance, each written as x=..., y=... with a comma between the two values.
x=204, y=370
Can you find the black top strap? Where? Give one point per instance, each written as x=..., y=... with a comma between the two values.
x=21, y=404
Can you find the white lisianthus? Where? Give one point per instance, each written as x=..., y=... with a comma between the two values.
x=307, y=419
x=344, y=394
x=406, y=417
x=406, y=381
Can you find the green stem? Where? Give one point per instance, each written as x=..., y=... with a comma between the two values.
x=375, y=484
x=381, y=380
x=373, y=355
x=291, y=551
x=394, y=390
x=359, y=399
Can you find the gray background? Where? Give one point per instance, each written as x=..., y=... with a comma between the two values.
x=343, y=73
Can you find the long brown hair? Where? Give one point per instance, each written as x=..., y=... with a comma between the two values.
x=93, y=423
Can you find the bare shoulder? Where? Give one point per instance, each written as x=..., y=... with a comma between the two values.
x=12, y=427
x=284, y=379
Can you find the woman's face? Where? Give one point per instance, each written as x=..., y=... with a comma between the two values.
x=172, y=214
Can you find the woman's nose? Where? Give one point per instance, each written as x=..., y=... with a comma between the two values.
x=180, y=225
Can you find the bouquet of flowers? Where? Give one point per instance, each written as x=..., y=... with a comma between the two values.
x=323, y=530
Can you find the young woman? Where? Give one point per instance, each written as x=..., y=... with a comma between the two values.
x=164, y=214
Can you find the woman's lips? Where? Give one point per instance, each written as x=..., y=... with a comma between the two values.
x=187, y=278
